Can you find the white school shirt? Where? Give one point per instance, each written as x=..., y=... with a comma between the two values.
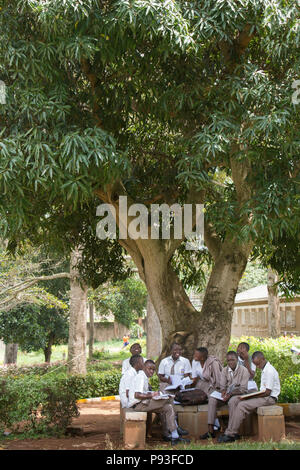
x=197, y=369
x=251, y=383
x=140, y=383
x=126, y=365
x=181, y=366
x=125, y=381
x=270, y=379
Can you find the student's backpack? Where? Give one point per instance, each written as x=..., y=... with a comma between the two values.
x=191, y=397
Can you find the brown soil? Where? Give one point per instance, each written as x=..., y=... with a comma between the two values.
x=100, y=424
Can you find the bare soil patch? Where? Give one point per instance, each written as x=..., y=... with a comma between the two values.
x=100, y=424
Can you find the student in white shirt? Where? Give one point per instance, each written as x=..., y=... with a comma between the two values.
x=135, y=350
x=125, y=381
x=140, y=399
x=246, y=361
x=174, y=364
x=270, y=388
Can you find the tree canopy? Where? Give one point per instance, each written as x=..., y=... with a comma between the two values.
x=98, y=91
x=166, y=101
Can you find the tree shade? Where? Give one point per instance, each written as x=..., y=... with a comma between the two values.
x=169, y=101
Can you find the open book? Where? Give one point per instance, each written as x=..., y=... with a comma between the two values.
x=252, y=395
x=178, y=382
x=216, y=395
x=162, y=396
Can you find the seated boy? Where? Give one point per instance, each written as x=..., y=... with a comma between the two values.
x=234, y=381
x=174, y=364
x=238, y=409
x=140, y=399
x=135, y=349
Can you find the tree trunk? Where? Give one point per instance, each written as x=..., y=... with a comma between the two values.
x=154, y=346
x=47, y=353
x=11, y=352
x=91, y=338
x=273, y=305
x=179, y=320
x=218, y=302
x=77, y=330
x=48, y=349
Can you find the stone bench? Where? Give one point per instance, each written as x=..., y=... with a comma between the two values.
x=268, y=423
x=134, y=428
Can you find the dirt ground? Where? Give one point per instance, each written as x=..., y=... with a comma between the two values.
x=100, y=425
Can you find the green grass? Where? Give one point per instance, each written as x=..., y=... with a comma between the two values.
x=242, y=444
x=59, y=353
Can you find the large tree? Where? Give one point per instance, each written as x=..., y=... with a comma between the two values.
x=161, y=101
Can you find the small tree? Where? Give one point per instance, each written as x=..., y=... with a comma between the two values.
x=126, y=300
x=34, y=327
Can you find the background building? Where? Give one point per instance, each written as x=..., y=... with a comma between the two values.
x=250, y=315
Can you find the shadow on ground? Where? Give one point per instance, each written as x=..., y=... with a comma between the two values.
x=100, y=425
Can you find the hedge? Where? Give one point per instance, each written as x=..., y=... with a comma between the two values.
x=47, y=403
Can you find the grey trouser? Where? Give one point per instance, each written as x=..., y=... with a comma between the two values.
x=238, y=409
x=213, y=404
x=204, y=386
x=164, y=407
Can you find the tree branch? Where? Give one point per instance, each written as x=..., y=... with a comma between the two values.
x=212, y=241
x=87, y=69
x=18, y=288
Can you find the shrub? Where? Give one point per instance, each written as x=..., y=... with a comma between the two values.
x=276, y=351
x=37, y=404
x=101, y=354
x=59, y=407
x=36, y=369
x=154, y=382
x=95, y=384
x=290, y=390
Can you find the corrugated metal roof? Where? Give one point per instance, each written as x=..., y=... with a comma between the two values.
x=255, y=293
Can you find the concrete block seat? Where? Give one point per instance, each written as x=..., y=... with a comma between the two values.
x=133, y=428
x=268, y=422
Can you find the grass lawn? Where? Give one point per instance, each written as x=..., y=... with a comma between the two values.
x=59, y=353
x=285, y=444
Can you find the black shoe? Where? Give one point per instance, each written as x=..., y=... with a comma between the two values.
x=180, y=440
x=208, y=435
x=226, y=438
x=167, y=438
x=237, y=437
x=182, y=432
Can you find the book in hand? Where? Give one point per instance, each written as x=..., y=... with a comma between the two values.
x=162, y=396
x=252, y=395
x=217, y=395
x=178, y=382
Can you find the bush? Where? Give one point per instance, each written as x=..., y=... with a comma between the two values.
x=154, y=382
x=36, y=369
x=95, y=384
x=47, y=403
x=276, y=351
x=101, y=354
x=290, y=390
x=36, y=404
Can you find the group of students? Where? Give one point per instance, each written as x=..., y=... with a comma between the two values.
x=220, y=384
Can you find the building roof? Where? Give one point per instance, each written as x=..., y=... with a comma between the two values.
x=256, y=293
